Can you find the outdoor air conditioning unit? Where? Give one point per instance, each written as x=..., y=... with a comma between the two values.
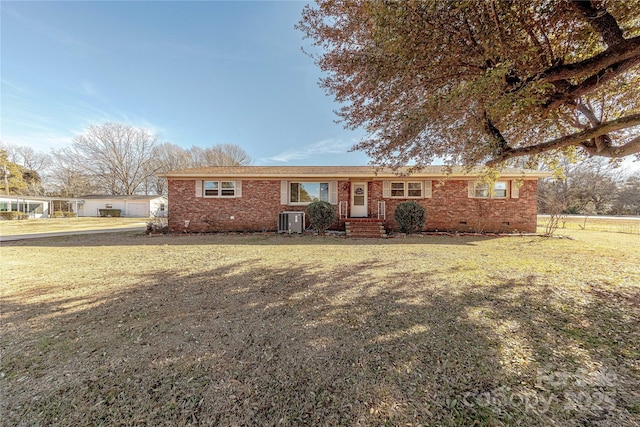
x=291, y=222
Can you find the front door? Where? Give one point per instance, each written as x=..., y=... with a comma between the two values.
x=359, y=200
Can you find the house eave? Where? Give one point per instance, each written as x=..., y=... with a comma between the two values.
x=356, y=176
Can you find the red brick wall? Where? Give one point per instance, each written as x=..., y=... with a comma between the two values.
x=258, y=208
x=450, y=207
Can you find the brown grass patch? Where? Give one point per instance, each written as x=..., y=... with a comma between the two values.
x=628, y=225
x=272, y=330
x=53, y=225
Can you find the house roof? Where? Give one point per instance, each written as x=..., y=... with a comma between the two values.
x=39, y=198
x=275, y=172
x=111, y=197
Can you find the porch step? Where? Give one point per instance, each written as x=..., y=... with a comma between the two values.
x=362, y=228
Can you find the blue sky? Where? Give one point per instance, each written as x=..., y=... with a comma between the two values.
x=195, y=73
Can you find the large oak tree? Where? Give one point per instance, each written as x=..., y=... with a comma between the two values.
x=482, y=82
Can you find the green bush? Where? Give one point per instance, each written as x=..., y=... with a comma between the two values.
x=321, y=215
x=58, y=214
x=70, y=214
x=410, y=216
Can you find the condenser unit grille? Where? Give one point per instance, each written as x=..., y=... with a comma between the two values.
x=290, y=222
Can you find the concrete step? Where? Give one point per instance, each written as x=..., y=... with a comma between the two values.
x=367, y=236
x=377, y=227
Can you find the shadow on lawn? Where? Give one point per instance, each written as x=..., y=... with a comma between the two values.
x=135, y=239
x=246, y=344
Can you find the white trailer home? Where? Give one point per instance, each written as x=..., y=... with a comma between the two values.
x=134, y=206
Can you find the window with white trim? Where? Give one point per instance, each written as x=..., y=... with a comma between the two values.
x=307, y=192
x=219, y=188
x=406, y=190
x=414, y=189
x=482, y=190
x=500, y=189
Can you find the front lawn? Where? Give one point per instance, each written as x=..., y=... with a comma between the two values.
x=54, y=225
x=125, y=329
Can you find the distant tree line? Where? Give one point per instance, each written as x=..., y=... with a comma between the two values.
x=592, y=187
x=118, y=159
x=111, y=158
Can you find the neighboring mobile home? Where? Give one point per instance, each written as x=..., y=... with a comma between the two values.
x=252, y=198
x=134, y=206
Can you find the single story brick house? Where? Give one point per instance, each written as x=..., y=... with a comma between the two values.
x=253, y=198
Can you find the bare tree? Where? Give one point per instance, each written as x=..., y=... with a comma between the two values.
x=172, y=157
x=628, y=200
x=220, y=155
x=169, y=157
x=28, y=157
x=35, y=166
x=590, y=187
x=66, y=181
x=117, y=158
x=16, y=179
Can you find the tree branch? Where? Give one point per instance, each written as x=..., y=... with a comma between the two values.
x=601, y=142
x=631, y=147
x=601, y=21
x=502, y=144
x=577, y=139
x=570, y=92
x=626, y=49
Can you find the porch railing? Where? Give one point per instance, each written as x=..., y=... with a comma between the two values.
x=382, y=210
x=343, y=209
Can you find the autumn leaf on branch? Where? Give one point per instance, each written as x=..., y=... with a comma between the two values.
x=482, y=82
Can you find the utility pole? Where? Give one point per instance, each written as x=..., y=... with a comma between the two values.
x=6, y=180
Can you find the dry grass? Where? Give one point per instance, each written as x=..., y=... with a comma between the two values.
x=125, y=329
x=627, y=225
x=52, y=225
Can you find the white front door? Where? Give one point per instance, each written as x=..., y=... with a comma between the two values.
x=359, y=200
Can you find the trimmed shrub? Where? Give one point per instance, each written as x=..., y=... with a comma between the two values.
x=64, y=214
x=410, y=216
x=11, y=215
x=321, y=215
x=109, y=212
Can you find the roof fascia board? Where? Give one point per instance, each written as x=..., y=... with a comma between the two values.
x=382, y=176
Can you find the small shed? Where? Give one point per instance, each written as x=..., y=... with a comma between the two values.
x=132, y=206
